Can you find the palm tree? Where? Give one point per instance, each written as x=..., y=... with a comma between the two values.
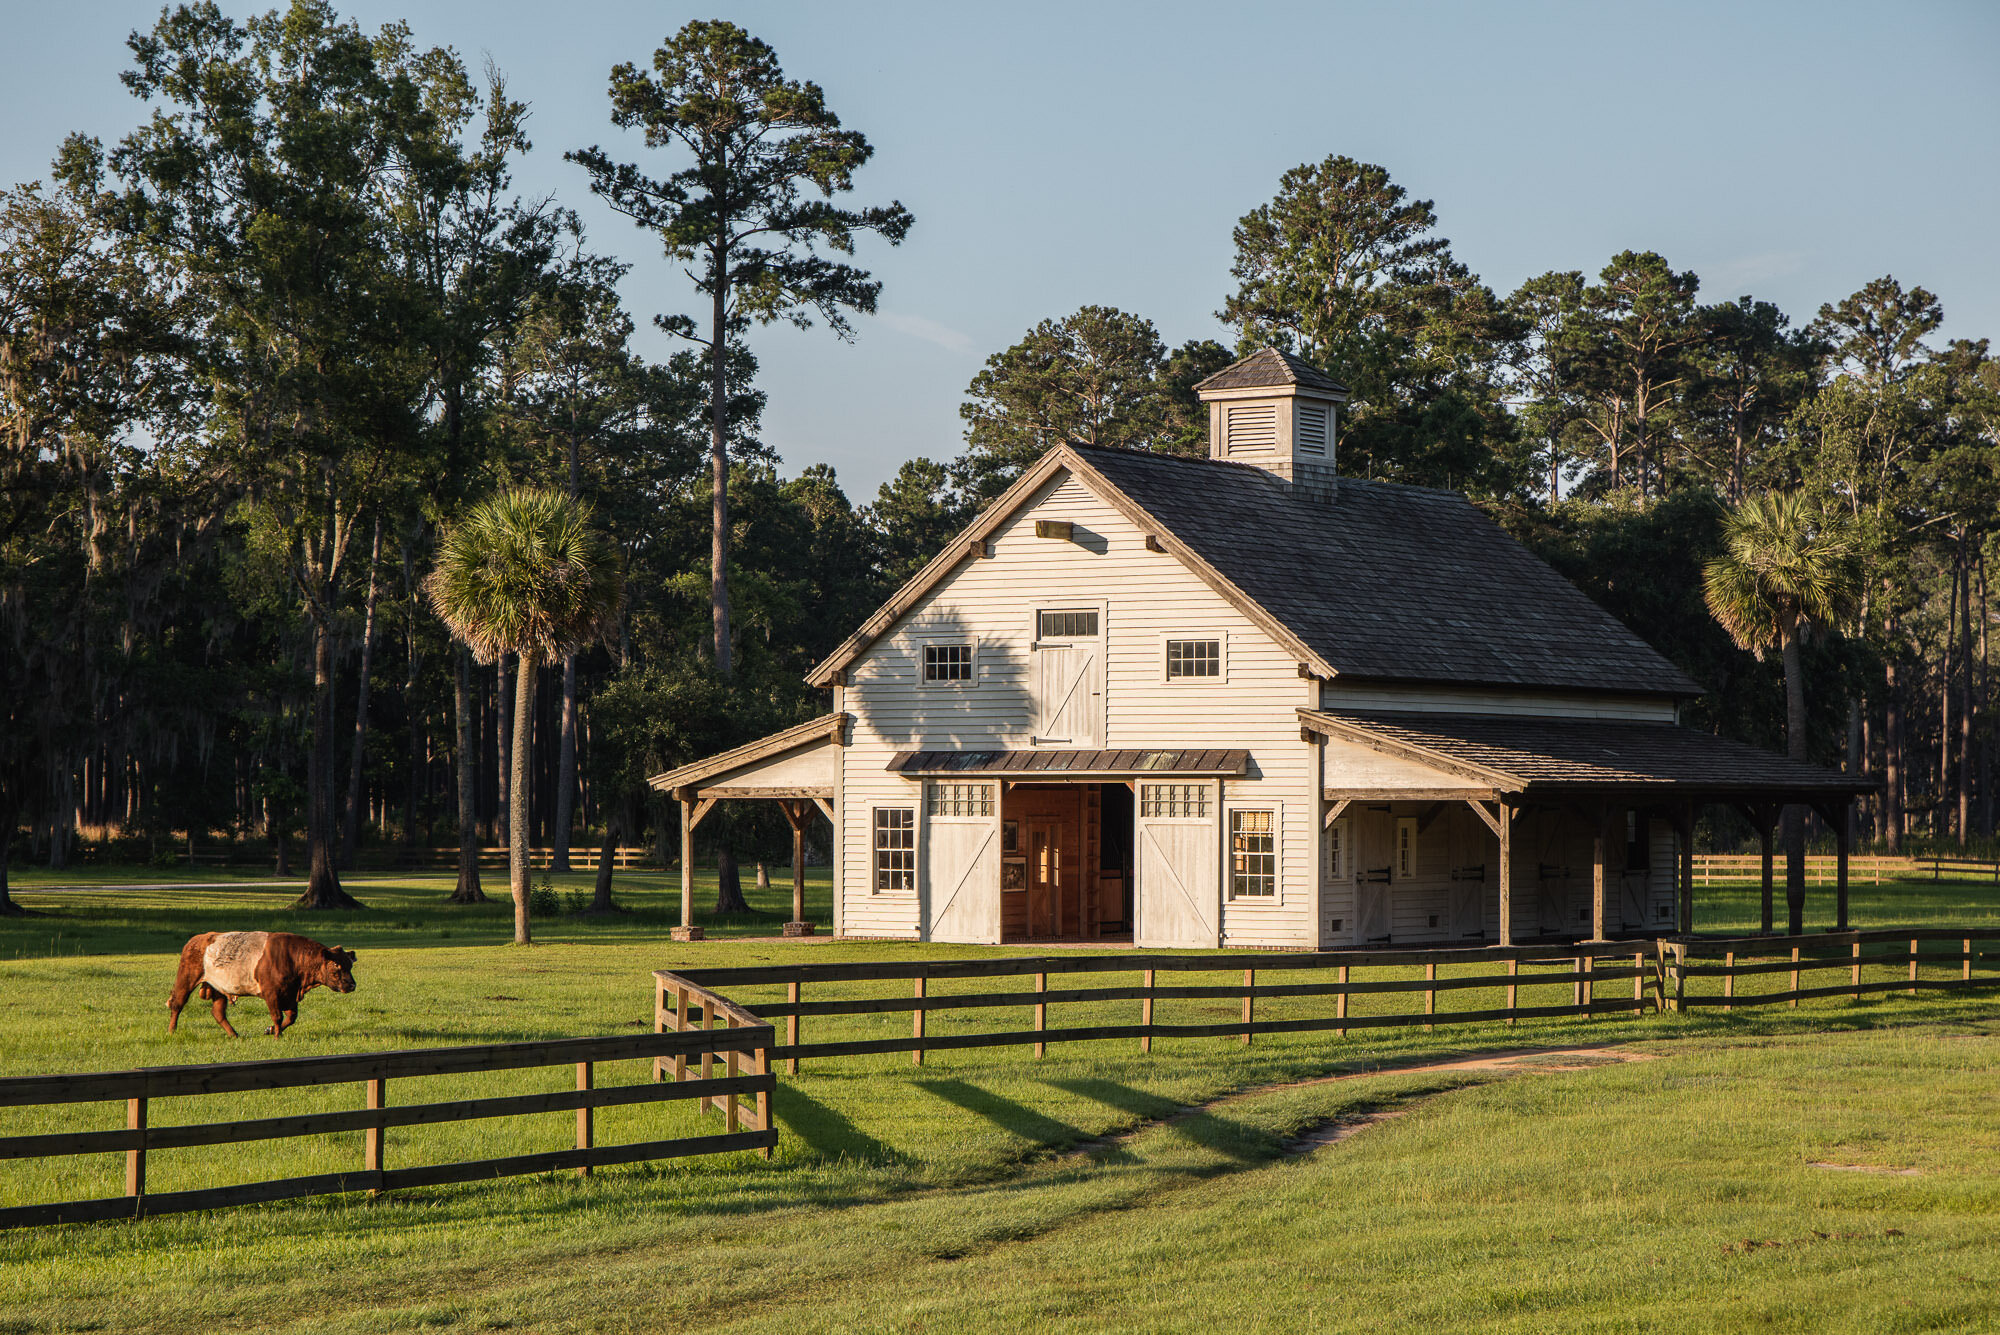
x=525, y=574
x=1786, y=571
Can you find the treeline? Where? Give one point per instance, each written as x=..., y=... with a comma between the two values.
x=259, y=353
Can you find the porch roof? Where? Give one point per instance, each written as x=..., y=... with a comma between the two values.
x=1522, y=754
x=798, y=762
x=1071, y=764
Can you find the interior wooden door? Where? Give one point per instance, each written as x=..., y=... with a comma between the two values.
x=1051, y=894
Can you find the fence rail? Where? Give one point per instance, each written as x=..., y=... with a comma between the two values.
x=742, y=1046
x=1822, y=868
x=686, y=998
x=399, y=857
x=1852, y=952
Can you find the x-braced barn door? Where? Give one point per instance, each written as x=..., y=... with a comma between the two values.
x=1068, y=678
x=1177, y=899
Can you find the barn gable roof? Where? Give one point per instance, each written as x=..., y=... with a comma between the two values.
x=1381, y=582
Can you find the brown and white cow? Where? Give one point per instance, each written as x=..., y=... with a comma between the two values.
x=277, y=966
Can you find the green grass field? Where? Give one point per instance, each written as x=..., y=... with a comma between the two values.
x=955, y=1196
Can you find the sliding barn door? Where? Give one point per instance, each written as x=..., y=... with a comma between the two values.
x=961, y=880
x=1177, y=900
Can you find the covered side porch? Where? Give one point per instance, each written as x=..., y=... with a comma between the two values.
x=796, y=768
x=1601, y=778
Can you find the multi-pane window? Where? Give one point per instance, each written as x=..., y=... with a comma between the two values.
x=947, y=662
x=1253, y=854
x=961, y=799
x=1173, y=800
x=895, y=848
x=1336, y=851
x=1406, y=847
x=1194, y=658
x=1080, y=625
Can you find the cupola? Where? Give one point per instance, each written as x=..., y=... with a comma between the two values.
x=1277, y=412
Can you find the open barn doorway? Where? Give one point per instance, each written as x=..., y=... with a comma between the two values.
x=1065, y=868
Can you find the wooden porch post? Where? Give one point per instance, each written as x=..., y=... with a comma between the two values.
x=687, y=862
x=1764, y=835
x=1599, y=849
x=1686, y=823
x=798, y=814
x=1506, y=837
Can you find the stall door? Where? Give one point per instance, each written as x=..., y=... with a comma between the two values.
x=961, y=881
x=1374, y=870
x=1178, y=898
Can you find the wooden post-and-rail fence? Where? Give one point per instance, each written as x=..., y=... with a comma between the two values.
x=1585, y=968
x=140, y=1089
x=1898, y=958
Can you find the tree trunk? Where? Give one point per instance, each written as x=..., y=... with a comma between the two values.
x=508, y=695
x=350, y=824
x=10, y=815
x=607, y=857
x=565, y=803
x=1941, y=820
x=1985, y=706
x=468, y=890
x=718, y=467
x=517, y=793
x=1965, y=701
x=1892, y=755
x=728, y=883
x=322, y=880
x=1795, y=825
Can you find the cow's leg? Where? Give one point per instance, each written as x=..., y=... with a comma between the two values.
x=222, y=1015
x=278, y=1007
x=187, y=976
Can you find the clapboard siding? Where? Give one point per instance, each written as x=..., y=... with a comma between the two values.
x=1144, y=596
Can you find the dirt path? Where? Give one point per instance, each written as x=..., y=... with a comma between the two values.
x=1529, y=1060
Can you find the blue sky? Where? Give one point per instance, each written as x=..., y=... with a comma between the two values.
x=1063, y=154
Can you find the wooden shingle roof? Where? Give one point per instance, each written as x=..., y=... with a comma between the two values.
x=1268, y=367
x=1389, y=582
x=1538, y=754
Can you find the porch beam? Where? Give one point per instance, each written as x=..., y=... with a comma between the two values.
x=1411, y=794
x=1479, y=810
x=826, y=809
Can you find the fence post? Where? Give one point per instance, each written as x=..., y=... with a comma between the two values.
x=1857, y=971
x=1638, y=985
x=1430, y=994
x=585, y=1120
x=1249, y=986
x=1914, y=944
x=1967, y=975
x=135, y=1158
x=706, y=1101
x=1513, y=992
x=1340, y=1005
x=371, y=1142
x=1795, y=977
x=661, y=1016
x=681, y=1008
x=764, y=1094
x=793, y=991
x=1728, y=980
x=1586, y=987
x=1041, y=1013
x=917, y=1030
x=1146, y=1015
x=1680, y=977
x=730, y=1119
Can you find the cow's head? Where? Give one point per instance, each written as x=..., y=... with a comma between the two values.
x=336, y=970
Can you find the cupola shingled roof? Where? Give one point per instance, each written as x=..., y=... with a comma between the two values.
x=1268, y=366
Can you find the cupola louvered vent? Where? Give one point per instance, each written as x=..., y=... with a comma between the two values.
x=1253, y=428
x=1311, y=437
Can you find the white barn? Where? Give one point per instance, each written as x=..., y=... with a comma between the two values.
x=1242, y=701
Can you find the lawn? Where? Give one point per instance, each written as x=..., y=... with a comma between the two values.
x=954, y=1196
